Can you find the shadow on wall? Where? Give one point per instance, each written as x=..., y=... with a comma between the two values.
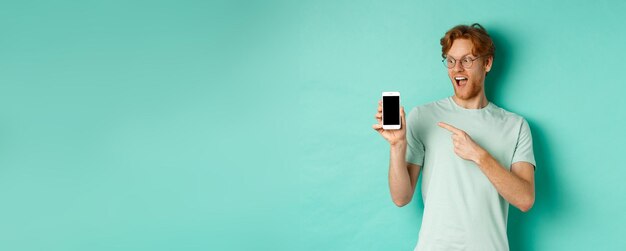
x=520, y=225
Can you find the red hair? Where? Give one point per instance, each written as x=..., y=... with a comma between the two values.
x=483, y=44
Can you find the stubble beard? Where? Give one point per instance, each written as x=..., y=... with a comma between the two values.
x=473, y=92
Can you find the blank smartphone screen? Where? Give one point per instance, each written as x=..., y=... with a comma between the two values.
x=391, y=110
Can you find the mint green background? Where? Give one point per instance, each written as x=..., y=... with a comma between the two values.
x=246, y=125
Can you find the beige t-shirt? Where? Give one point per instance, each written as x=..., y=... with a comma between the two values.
x=462, y=209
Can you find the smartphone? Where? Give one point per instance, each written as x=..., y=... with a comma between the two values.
x=391, y=110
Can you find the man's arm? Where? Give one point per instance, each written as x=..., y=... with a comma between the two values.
x=517, y=186
x=402, y=175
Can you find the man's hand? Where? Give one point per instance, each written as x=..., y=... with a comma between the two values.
x=464, y=145
x=392, y=136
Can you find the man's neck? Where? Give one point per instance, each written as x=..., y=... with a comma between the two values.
x=477, y=102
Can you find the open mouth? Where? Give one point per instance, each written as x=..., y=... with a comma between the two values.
x=460, y=81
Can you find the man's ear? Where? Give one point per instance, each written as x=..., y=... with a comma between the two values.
x=488, y=63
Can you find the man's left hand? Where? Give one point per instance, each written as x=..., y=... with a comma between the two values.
x=464, y=145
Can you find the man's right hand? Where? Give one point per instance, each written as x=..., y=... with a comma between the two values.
x=392, y=136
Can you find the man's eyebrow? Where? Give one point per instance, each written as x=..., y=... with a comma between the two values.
x=469, y=54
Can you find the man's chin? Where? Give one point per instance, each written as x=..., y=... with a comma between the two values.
x=466, y=94
x=461, y=95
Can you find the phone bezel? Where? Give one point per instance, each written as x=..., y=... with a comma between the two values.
x=391, y=127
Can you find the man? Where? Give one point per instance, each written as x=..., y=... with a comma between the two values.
x=477, y=157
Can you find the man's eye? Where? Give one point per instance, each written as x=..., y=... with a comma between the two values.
x=466, y=60
x=451, y=61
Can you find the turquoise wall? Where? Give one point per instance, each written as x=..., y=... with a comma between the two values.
x=246, y=125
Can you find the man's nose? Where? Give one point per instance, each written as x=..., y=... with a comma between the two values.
x=458, y=67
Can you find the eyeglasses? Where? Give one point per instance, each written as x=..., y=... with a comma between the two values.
x=466, y=62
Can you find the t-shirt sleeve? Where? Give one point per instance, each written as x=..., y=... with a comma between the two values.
x=415, y=148
x=524, y=148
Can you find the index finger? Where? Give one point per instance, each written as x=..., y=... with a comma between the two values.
x=450, y=128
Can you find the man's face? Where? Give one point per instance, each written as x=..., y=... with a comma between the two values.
x=468, y=83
